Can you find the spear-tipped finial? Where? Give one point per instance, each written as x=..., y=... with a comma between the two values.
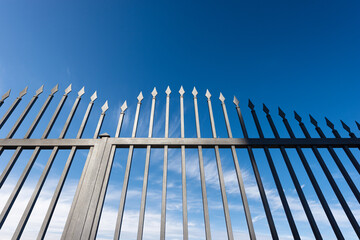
x=194, y=92
x=39, y=91
x=140, y=97
x=313, y=121
x=329, y=124
x=154, y=92
x=181, y=91
x=236, y=101
x=281, y=113
x=93, y=97
x=346, y=127
x=105, y=107
x=265, y=109
x=221, y=97
x=5, y=96
x=68, y=89
x=168, y=91
x=357, y=124
x=23, y=92
x=297, y=117
x=124, y=107
x=251, y=105
x=55, y=89
x=207, y=94
x=81, y=92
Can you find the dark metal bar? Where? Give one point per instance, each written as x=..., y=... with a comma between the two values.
x=328, y=175
x=312, y=178
x=165, y=168
x=12, y=107
x=345, y=148
x=304, y=203
x=183, y=168
x=5, y=96
x=146, y=170
x=279, y=187
x=255, y=168
x=202, y=171
x=338, y=162
x=127, y=172
x=30, y=163
x=220, y=173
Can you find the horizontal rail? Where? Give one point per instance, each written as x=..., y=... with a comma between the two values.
x=188, y=142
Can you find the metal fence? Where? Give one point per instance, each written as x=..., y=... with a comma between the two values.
x=86, y=209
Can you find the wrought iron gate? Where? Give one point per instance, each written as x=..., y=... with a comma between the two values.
x=84, y=216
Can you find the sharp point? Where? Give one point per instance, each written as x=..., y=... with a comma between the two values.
x=346, y=127
x=329, y=124
x=265, y=109
x=236, y=101
x=6, y=95
x=55, y=89
x=251, y=105
x=94, y=96
x=357, y=124
x=124, y=106
x=23, y=92
x=39, y=91
x=68, y=89
x=81, y=92
x=140, y=97
x=281, y=113
x=207, y=94
x=313, y=121
x=194, y=92
x=105, y=107
x=154, y=92
x=297, y=117
x=181, y=91
x=221, y=97
x=168, y=91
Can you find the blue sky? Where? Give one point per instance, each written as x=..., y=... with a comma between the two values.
x=300, y=55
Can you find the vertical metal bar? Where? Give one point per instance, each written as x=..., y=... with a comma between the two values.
x=279, y=187
x=183, y=168
x=302, y=198
x=12, y=107
x=202, y=171
x=346, y=148
x=220, y=173
x=146, y=170
x=92, y=152
x=328, y=175
x=312, y=178
x=339, y=163
x=25, y=112
x=255, y=168
x=5, y=96
x=29, y=207
x=31, y=161
x=107, y=176
x=165, y=168
x=127, y=172
x=18, y=150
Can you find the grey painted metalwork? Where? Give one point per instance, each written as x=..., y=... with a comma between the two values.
x=84, y=217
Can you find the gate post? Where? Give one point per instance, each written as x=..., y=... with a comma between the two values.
x=80, y=222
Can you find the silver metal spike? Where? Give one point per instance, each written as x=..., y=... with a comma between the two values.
x=236, y=101
x=124, y=107
x=6, y=95
x=154, y=92
x=181, y=91
x=39, y=91
x=105, y=107
x=81, y=92
x=221, y=97
x=168, y=91
x=23, y=92
x=68, y=89
x=207, y=94
x=194, y=92
x=140, y=97
x=93, y=97
x=55, y=89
